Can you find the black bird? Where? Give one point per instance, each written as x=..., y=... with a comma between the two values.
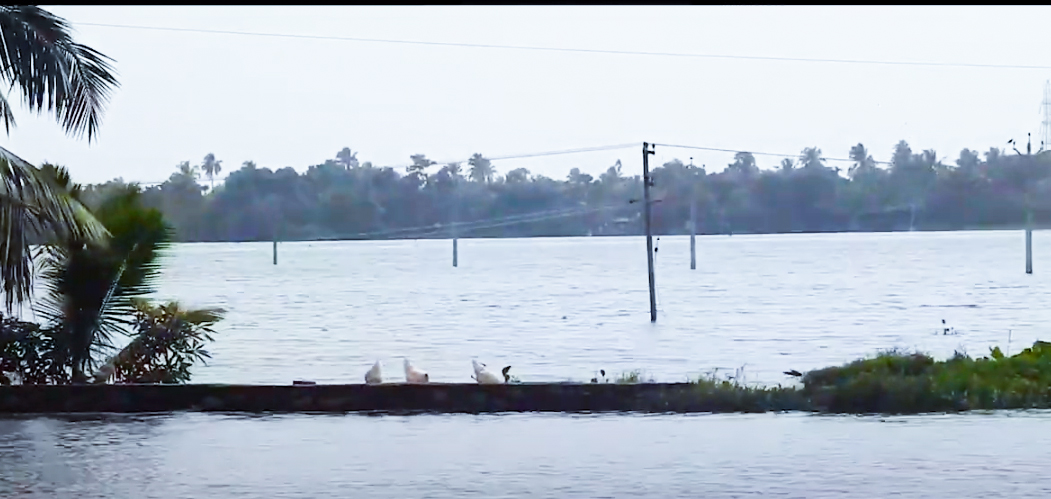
x=793, y=372
x=507, y=377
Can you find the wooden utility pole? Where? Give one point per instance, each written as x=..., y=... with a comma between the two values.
x=646, y=183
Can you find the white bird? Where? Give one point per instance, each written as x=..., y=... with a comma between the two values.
x=375, y=375
x=413, y=375
x=484, y=377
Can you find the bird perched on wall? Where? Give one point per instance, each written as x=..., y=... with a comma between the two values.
x=413, y=375
x=507, y=377
x=483, y=376
x=375, y=375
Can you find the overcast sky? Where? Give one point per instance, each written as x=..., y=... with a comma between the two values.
x=296, y=102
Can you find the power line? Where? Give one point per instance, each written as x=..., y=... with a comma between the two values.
x=423, y=230
x=577, y=50
x=754, y=153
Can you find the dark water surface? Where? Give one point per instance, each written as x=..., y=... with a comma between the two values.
x=526, y=456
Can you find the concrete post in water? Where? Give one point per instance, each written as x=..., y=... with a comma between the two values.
x=646, y=182
x=693, y=223
x=1029, y=242
x=456, y=219
x=693, y=234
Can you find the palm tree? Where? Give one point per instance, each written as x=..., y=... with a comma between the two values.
x=211, y=168
x=72, y=82
x=347, y=158
x=90, y=288
x=811, y=158
x=863, y=161
x=482, y=170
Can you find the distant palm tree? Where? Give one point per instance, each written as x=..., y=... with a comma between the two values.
x=811, y=158
x=72, y=82
x=211, y=167
x=347, y=158
x=482, y=170
x=863, y=161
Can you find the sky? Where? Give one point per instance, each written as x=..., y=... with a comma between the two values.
x=286, y=101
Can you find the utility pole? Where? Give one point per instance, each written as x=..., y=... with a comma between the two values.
x=647, y=149
x=1030, y=167
x=1045, y=128
x=456, y=218
x=276, y=227
x=693, y=219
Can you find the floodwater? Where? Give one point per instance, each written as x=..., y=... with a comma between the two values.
x=563, y=308
x=206, y=456
x=558, y=309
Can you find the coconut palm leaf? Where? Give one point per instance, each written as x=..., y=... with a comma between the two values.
x=89, y=288
x=39, y=57
x=72, y=82
x=32, y=203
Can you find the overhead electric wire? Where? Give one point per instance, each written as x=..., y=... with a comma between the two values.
x=463, y=227
x=578, y=50
x=757, y=153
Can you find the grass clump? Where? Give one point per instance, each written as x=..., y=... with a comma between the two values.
x=714, y=394
x=892, y=382
x=897, y=382
x=632, y=377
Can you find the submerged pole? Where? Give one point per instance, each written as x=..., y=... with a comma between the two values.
x=275, y=251
x=1029, y=242
x=646, y=182
x=693, y=223
x=456, y=220
x=693, y=235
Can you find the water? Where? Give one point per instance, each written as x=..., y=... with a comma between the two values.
x=518, y=456
x=559, y=309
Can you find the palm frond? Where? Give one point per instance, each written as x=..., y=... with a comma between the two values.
x=6, y=114
x=31, y=202
x=38, y=55
x=90, y=288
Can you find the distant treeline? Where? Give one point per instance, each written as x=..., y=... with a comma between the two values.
x=345, y=199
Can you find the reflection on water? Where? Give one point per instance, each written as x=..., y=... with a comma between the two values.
x=456, y=456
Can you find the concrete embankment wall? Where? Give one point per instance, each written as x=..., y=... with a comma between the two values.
x=433, y=397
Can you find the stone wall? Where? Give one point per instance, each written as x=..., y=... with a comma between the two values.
x=395, y=397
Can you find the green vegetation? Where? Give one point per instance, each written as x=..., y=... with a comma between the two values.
x=908, y=383
x=343, y=198
x=48, y=71
x=96, y=265
x=94, y=293
x=895, y=382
